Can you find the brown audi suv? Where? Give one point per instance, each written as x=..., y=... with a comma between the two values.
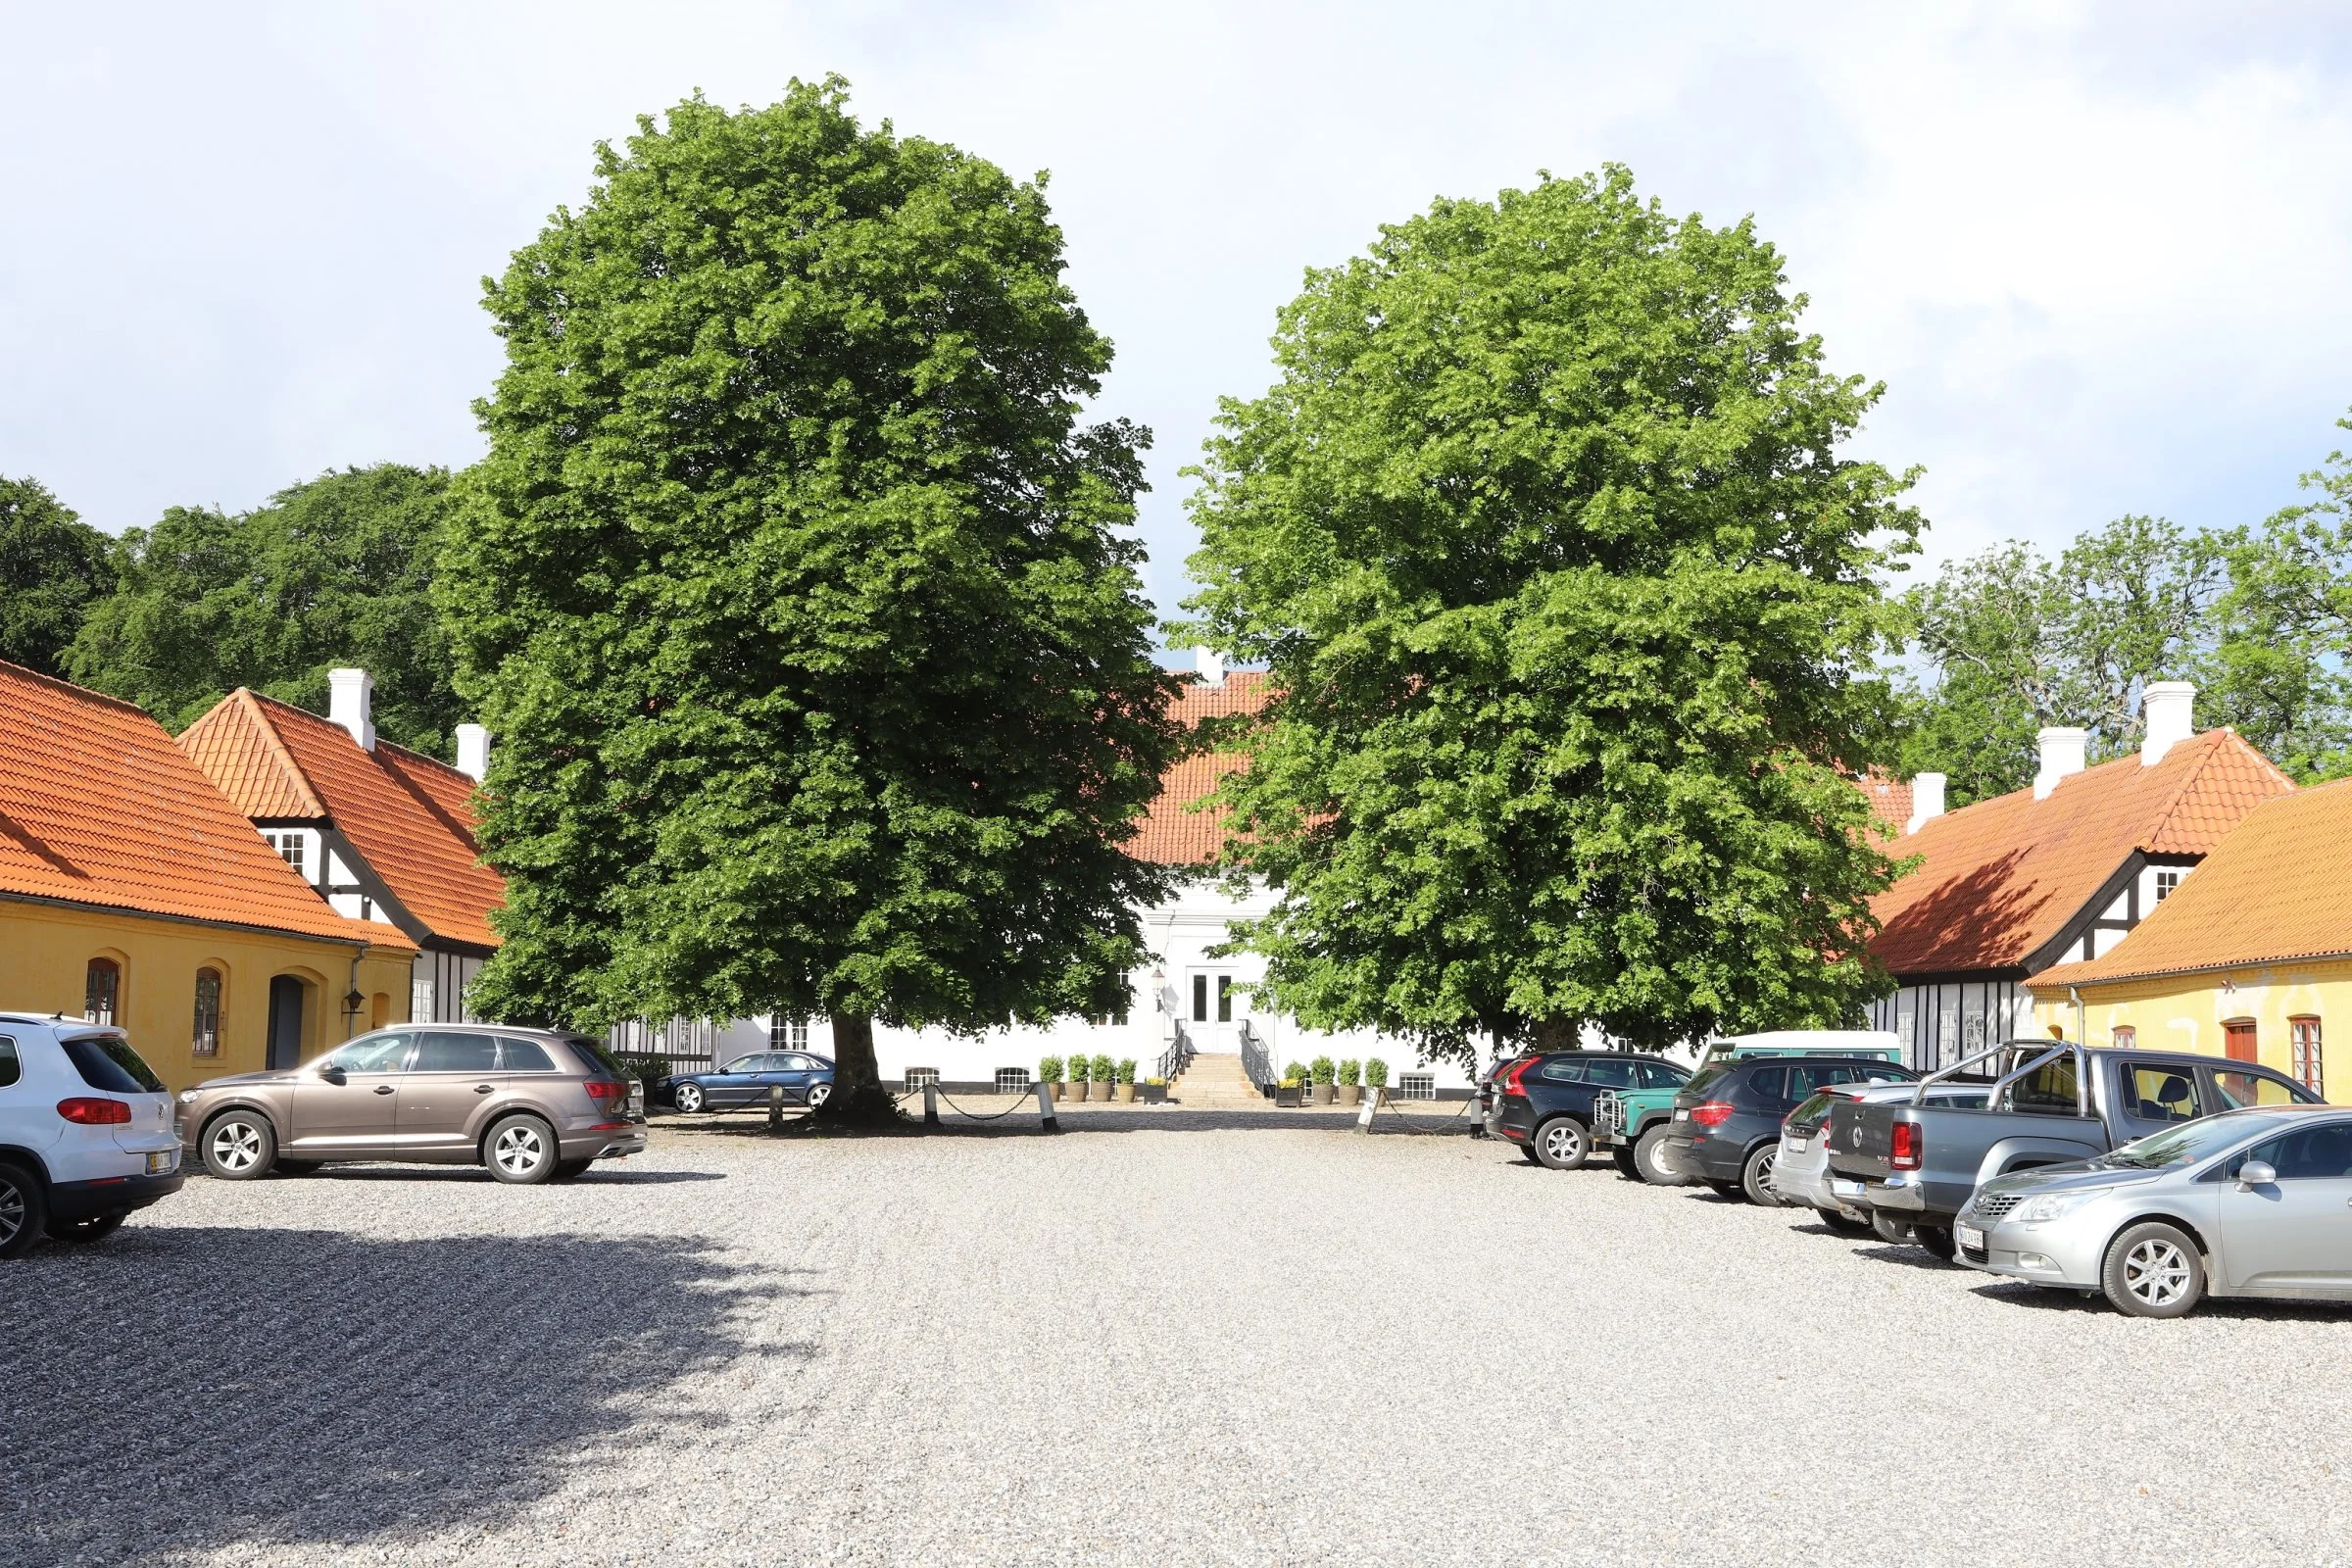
x=532, y=1104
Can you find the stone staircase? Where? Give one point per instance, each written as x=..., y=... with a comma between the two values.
x=1215, y=1082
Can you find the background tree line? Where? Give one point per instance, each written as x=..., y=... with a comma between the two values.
x=2259, y=615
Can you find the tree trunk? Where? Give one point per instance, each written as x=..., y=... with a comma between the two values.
x=858, y=1098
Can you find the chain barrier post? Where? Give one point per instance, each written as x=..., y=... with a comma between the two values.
x=775, y=1107
x=930, y=1105
x=1363, y=1117
x=1045, y=1107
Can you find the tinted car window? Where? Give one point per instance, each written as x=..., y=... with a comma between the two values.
x=375, y=1054
x=798, y=1063
x=1809, y=1076
x=2160, y=1094
x=1610, y=1074
x=2310, y=1155
x=1660, y=1074
x=1563, y=1070
x=1765, y=1083
x=1707, y=1078
x=593, y=1054
x=2255, y=1089
x=524, y=1056
x=11, y=1068
x=107, y=1061
x=447, y=1051
x=1813, y=1109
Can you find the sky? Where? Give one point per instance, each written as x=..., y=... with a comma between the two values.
x=2098, y=254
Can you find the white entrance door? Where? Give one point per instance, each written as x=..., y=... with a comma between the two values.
x=1213, y=1011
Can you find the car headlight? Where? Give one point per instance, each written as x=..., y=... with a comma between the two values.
x=188, y=1096
x=2051, y=1205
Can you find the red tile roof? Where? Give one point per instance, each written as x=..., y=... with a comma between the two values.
x=410, y=816
x=2001, y=878
x=1889, y=800
x=2277, y=888
x=1172, y=834
x=97, y=807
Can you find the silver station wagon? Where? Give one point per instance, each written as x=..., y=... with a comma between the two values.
x=532, y=1104
x=2254, y=1203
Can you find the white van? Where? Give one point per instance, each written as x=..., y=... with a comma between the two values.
x=87, y=1133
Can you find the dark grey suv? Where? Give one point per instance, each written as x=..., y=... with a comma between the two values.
x=1727, y=1121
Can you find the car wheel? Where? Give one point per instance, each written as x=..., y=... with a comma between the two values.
x=1649, y=1155
x=688, y=1098
x=1623, y=1158
x=1937, y=1239
x=2153, y=1270
x=1842, y=1224
x=818, y=1093
x=1560, y=1144
x=1755, y=1177
x=239, y=1146
x=1887, y=1228
x=1526, y=1152
x=82, y=1231
x=521, y=1151
x=566, y=1169
x=23, y=1210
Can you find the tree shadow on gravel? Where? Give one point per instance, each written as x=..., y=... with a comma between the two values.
x=183, y=1389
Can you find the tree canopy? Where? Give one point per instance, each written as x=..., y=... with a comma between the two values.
x=333, y=571
x=2258, y=615
x=1572, y=604
x=797, y=596
x=52, y=567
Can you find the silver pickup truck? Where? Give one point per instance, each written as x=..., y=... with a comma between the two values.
x=1911, y=1163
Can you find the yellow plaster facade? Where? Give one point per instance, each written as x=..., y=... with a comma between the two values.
x=2192, y=1012
x=45, y=953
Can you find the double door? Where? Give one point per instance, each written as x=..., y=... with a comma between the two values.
x=1215, y=1010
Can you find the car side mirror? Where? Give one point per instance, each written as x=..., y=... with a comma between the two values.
x=2254, y=1173
x=334, y=1075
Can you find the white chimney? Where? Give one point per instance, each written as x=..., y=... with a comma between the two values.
x=1927, y=801
x=473, y=751
x=349, y=700
x=2061, y=755
x=1213, y=666
x=2170, y=708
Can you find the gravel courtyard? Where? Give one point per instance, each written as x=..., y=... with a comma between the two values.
x=1122, y=1344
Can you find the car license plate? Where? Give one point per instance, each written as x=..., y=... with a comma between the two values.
x=1796, y=1146
x=1970, y=1237
x=1840, y=1186
x=162, y=1161
x=1682, y=1113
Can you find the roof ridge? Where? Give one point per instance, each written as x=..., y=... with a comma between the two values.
x=85, y=693
x=278, y=747
x=426, y=756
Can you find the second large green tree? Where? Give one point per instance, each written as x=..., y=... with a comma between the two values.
x=797, y=596
x=1570, y=593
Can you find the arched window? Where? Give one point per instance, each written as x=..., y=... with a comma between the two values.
x=208, y=1013
x=101, y=991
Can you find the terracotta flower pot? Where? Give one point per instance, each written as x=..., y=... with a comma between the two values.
x=1326, y=1094
x=1126, y=1093
x=1352, y=1094
x=1107, y=1090
x=1059, y=1089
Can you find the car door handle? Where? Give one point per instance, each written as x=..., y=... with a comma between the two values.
x=383, y=1089
x=483, y=1088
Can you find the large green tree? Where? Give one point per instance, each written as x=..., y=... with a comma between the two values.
x=52, y=567
x=1571, y=599
x=799, y=597
x=334, y=572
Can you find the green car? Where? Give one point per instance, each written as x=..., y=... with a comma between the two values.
x=1632, y=1123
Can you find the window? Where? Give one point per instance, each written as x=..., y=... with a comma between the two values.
x=2304, y=1037
x=1416, y=1086
x=289, y=848
x=2161, y=1093
x=208, y=1013
x=375, y=1054
x=11, y=1067
x=2166, y=882
x=916, y=1077
x=2322, y=1154
x=2126, y=1037
x=2049, y=1090
x=1199, y=998
x=787, y=1034
x=1765, y=1083
x=101, y=991
x=1609, y=1074
x=1661, y=1075
x=447, y=1051
x=524, y=1056
x=1563, y=1070
x=1012, y=1080
x=1224, y=998
x=107, y=1062
x=2239, y=1089
x=754, y=1063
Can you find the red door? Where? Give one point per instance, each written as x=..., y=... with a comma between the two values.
x=2241, y=1041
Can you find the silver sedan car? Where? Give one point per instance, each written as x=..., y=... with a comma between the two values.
x=2252, y=1203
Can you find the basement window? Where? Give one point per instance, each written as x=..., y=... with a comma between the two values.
x=1012, y=1080
x=1416, y=1086
x=917, y=1077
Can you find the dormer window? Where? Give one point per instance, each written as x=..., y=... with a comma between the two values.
x=291, y=849
x=2166, y=881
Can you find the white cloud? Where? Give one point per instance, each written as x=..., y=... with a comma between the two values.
x=2095, y=252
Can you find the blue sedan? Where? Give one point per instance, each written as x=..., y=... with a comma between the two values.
x=748, y=1080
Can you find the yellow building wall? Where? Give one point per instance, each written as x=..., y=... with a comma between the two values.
x=45, y=953
x=2189, y=1012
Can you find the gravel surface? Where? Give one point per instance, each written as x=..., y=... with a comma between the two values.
x=1129, y=1345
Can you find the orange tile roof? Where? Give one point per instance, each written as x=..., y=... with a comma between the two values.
x=98, y=807
x=2278, y=887
x=1172, y=834
x=1890, y=799
x=408, y=816
x=2001, y=878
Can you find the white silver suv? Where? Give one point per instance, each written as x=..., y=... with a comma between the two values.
x=87, y=1133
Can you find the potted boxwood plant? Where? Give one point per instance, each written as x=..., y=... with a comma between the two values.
x=1077, y=1072
x=1103, y=1075
x=1325, y=1090
x=1351, y=1090
x=1127, y=1080
x=1048, y=1073
x=1375, y=1077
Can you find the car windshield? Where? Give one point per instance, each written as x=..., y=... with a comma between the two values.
x=1707, y=1078
x=2190, y=1140
x=1814, y=1109
x=107, y=1061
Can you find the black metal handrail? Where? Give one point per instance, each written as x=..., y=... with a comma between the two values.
x=1177, y=1057
x=1256, y=1062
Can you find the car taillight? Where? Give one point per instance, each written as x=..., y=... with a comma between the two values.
x=599, y=1089
x=1714, y=1114
x=1904, y=1156
x=91, y=1111
x=1511, y=1084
